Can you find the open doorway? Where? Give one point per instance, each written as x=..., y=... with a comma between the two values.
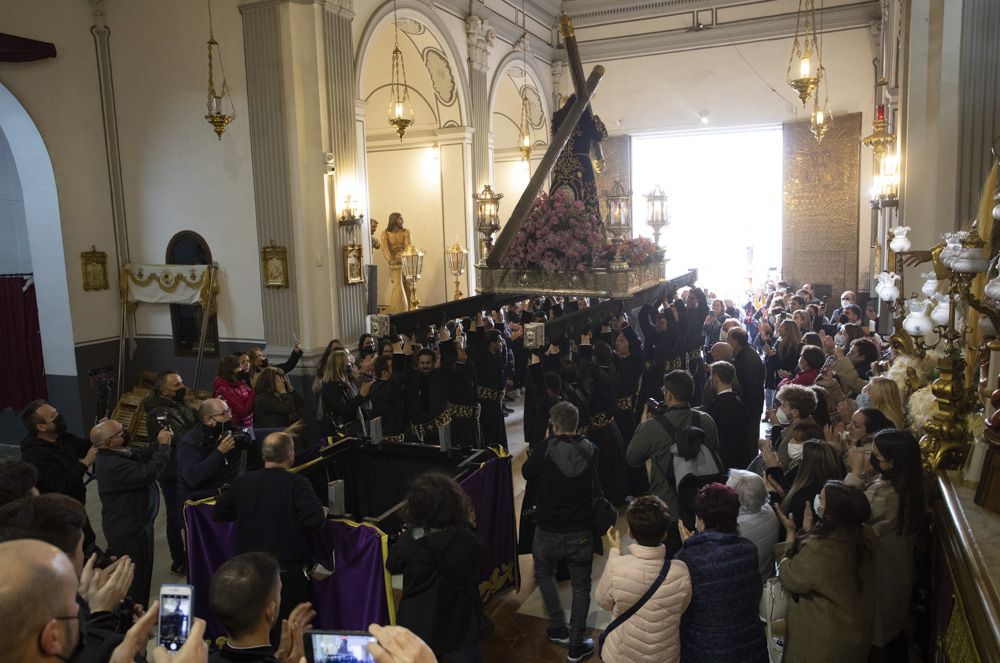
x=725, y=206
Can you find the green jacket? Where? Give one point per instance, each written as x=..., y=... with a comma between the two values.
x=650, y=442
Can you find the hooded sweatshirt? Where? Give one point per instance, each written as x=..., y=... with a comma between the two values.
x=567, y=467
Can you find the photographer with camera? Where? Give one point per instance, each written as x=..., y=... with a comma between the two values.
x=166, y=407
x=208, y=457
x=126, y=483
x=665, y=427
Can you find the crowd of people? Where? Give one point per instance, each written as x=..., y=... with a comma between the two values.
x=656, y=414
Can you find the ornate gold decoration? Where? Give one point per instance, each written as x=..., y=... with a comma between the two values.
x=400, y=109
x=608, y=283
x=275, y=263
x=820, y=204
x=354, y=268
x=458, y=259
x=95, y=269
x=879, y=140
x=487, y=218
x=216, y=117
x=805, y=65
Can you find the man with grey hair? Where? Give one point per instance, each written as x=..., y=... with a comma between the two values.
x=565, y=468
x=207, y=457
x=274, y=510
x=757, y=520
x=126, y=483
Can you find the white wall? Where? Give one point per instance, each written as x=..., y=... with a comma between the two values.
x=176, y=175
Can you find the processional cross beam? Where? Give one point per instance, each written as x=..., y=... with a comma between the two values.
x=584, y=91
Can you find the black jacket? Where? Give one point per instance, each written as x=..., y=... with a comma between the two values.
x=225, y=654
x=340, y=408
x=126, y=482
x=200, y=464
x=567, y=467
x=274, y=410
x=272, y=508
x=750, y=371
x=181, y=419
x=58, y=464
x=736, y=448
x=441, y=570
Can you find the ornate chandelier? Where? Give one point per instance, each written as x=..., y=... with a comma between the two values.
x=879, y=140
x=216, y=116
x=821, y=118
x=805, y=66
x=400, y=110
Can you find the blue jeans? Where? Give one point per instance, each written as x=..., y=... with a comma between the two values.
x=173, y=502
x=577, y=548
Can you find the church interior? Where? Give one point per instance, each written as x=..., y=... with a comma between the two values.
x=182, y=183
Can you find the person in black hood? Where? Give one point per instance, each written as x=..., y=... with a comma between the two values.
x=61, y=458
x=441, y=558
x=566, y=466
x=166, y=407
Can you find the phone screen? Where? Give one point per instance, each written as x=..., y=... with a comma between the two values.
x=175, y=615
x=331, y=646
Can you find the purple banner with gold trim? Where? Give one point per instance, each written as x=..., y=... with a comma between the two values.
x=358, y=593
x=491, y=491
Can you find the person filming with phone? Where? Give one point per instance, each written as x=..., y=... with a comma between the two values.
x=126, y=483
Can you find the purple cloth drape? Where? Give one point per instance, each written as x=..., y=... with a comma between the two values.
x=20, y=345
x=491, y=491
x=356, y=595
x=22, y=49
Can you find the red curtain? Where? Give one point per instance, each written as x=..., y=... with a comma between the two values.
x=20, y=344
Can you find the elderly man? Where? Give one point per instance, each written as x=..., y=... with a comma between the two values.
x=126, y=483
x=720, y=351
x=207, y=457
x=38, y=607
x=274, y=509
x=167, y=404
x=757, y=520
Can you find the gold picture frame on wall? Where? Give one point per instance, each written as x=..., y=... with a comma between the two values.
x=354, y=267
x=95, y=269
x=274, y=260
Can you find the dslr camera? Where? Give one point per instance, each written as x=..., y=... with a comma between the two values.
x=655, y=406
x=242, y=438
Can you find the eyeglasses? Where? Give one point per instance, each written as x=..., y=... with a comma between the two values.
x=223, y=414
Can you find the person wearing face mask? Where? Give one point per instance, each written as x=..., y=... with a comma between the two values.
x=232, y=385
x=847, y=299
x=854, y=366
x=829, y=569
x=259, y=361
x=896, y=492
x=861, y=428
x=819, y=464
x=207, y=457
x=343, y=398
x=166, y=404
x=126, y=483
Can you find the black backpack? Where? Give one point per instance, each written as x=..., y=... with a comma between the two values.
x=694, y=465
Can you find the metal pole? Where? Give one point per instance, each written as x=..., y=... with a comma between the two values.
x=203, y=332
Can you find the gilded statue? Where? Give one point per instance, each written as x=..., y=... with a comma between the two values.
x=395, y=239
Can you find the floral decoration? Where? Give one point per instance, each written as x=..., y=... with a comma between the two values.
x=559, y=234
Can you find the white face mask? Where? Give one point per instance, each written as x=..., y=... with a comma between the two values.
x=782, y=417
x=795, y=451
x=844, y=303
x=817, y=507
x=839, y=340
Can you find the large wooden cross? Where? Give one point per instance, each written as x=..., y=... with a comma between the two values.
x=584, y=90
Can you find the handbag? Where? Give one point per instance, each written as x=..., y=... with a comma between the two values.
x=624, y=617
x=773, y=601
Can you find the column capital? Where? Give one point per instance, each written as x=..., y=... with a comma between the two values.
x=479, y=35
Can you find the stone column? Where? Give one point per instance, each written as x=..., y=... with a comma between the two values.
x=557, y=72
x=342, y=142
x=480, y=38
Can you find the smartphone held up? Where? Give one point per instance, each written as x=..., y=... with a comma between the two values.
x=175, y=616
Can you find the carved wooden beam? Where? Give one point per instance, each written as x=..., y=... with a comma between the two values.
x=520, y=213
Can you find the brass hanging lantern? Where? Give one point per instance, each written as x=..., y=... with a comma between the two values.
x=400, y=109
x=805, y=66
x=216, y=116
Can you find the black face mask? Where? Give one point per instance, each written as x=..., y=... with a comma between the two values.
x=263, y=363
x=60, y=423
x=874, y=462
x=126, y=438
x=180, y=394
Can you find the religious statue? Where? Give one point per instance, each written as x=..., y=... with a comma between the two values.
x=573, y=174
x=374, y=228
x=395, y=239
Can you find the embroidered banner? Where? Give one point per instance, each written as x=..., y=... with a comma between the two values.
x=491, y=491
x=168, y=284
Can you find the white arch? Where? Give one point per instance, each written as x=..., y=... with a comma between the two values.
x=440, y=31
x=515, y=57
x=41, y=211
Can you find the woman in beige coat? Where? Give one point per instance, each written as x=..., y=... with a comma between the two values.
x=652, y=633
x=829, y=574
x=897, y=499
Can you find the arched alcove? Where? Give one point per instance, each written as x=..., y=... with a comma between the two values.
x=33, y=170
x=426, y=175
x=516, y=76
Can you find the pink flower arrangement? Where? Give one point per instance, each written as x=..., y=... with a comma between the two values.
x=558, y=234
x=635, y=251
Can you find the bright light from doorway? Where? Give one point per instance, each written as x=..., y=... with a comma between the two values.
x=725, y=203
